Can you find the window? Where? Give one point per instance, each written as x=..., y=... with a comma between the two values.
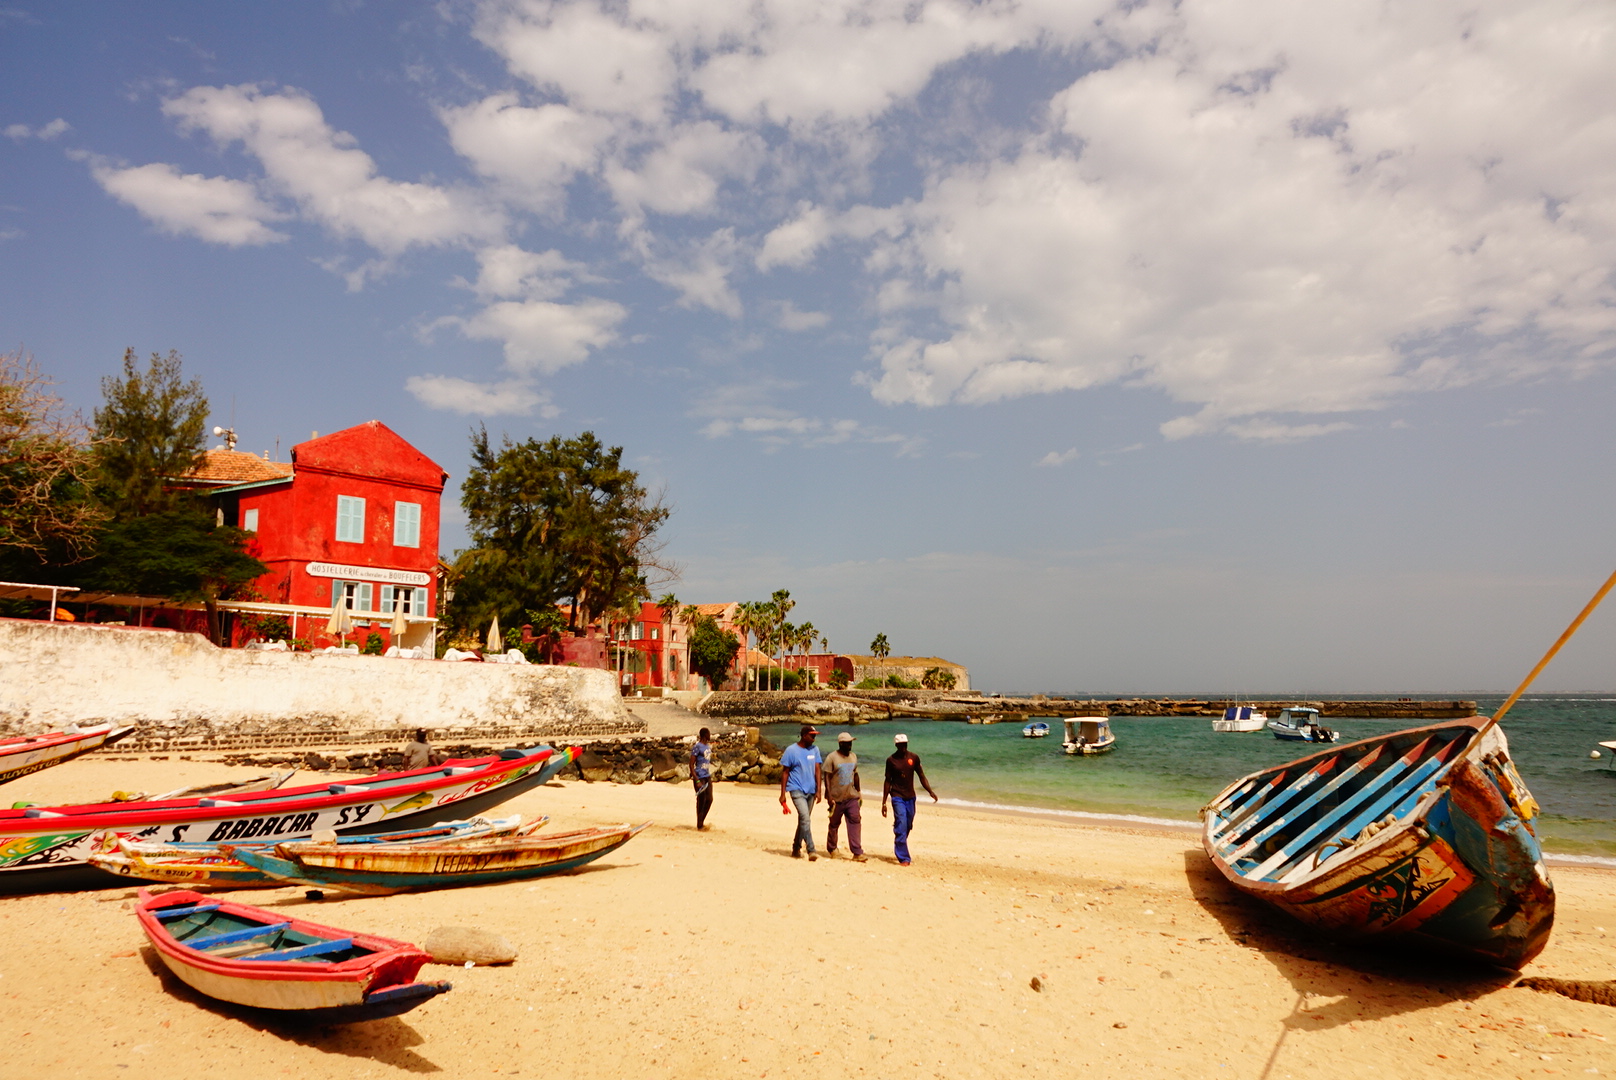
x=350, y=519
x=249, y=520
x=413, y=601
x=639, y=631
x=656, y=633
x=407, y=524
x=354, y=595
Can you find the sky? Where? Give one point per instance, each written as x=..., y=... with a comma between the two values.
x=1222, y=346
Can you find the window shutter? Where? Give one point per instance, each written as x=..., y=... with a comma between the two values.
x=387, y=600
x=420, y=601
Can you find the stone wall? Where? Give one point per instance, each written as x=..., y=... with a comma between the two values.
x=811, y=703
x=181, y=688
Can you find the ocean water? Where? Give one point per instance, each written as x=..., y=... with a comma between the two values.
x=1167, y=768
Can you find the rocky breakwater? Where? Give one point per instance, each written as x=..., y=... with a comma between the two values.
x=742, y=757
x=773, y=705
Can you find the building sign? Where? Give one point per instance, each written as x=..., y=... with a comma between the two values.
x=368, y=573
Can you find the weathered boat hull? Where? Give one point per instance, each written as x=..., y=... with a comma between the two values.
x=400, y=869
x=46, y=849
x=25, y=755
x=1454, y=863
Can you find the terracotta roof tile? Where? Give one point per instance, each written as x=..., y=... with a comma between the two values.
x=235, y=467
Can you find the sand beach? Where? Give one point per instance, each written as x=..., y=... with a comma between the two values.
x=715, y=954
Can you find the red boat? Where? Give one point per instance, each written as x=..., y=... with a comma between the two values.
x=24, y=754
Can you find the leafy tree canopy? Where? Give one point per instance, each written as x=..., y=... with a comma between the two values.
x=46, y=514
x=712, y=650
x=150, y=431
x=178, y=554
x=554, y=520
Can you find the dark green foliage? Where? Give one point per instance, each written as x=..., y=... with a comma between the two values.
x=838, y=679
x=373, y=644
x=177, y=554
x=553, y=520
x=46, y=514
x=938, y=679
x=149, y=432
x=879, y=647
x=712, y=650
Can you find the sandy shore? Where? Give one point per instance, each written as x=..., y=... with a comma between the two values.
x=716, y=954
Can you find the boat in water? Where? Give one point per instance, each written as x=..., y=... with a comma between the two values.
x=1301, y=724
x=297, y=969
x=1241, y=718
x=22, y=755
x=1088, y=735
x=44, y=849
x=1035, y=730
x=1424, y=835
x=381, y=869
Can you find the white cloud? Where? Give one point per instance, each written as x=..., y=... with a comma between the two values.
x=333, y=182
x=701, y=274
x=55, y=129
x=1054, y=458
x=533, y=152
x=212, y=208
x=544, y=336
x=506, y=270
x=779, y=429
x=790, y=317
x=513, y=397
x=795, y=242
x=681, y=174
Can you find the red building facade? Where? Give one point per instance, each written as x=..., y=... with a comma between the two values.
x=353, y=519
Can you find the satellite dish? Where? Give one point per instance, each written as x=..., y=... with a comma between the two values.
x=218, y=430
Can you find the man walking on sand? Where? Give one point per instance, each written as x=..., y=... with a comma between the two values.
x=799, y=778
x=902, y=769
x=842, y=794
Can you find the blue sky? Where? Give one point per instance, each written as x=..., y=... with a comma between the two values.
x=1228, y=346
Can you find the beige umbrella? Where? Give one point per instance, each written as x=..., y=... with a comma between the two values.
x=495, y=643
x=399, y=623
x=339, y=624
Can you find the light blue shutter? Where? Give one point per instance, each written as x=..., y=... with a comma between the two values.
x=362, y=599
x=419, y=595
x=387, y=600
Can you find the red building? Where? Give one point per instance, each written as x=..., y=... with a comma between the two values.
x=352, y=519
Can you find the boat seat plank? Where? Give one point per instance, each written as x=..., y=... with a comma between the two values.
x=1407, y=773
x=1362, y=765
x=235, y=935
x=319, y=948
x=1288, y=798
x=180, y=912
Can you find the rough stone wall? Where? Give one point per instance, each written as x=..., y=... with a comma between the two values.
x=908, y=667
x=809, y=703
x=181, y=687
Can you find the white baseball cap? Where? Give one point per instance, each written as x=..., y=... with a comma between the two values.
x=900, y=737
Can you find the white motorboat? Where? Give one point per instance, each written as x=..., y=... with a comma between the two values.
x=1301, y=724
x=1088, y=735
x=1241, y=718
x=1035, y=730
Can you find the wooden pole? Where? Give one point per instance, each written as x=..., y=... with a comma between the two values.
x=1610, y=583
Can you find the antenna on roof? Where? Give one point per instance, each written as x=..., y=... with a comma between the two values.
x=229, y=436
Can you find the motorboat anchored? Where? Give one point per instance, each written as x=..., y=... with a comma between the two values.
x=1088, y=735
x=1035, y=730
x=1241, y=718
x=1301, y=724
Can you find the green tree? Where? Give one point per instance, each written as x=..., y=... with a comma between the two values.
x=561, y=519
x=879, y=647
x=46, y=461
x=177, y=554
x=149, y=432
x=712, y=650
x=781, y=604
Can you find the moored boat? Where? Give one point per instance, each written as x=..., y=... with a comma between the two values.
x=1241, y=718
x=204, y=864
x=1423, y=834
x=1301, y=724
x=1035, y=730
x=47, y=848
x=24, y=754
x=388, y=868
x=265, y=960
x=1088, y=735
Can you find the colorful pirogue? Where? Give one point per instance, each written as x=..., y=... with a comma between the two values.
x=25, y=754
x=388, y=868
x=264, y=960
x=204, y=864
x=47, y=848
x=1423, y=834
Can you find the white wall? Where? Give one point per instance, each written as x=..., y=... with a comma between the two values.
x=53, y=674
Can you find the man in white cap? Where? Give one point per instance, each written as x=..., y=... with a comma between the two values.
x=899, y=785
x=842, y=793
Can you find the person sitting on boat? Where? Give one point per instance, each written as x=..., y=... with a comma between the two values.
x=418, y=754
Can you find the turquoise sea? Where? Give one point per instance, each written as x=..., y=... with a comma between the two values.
x=1166, y=768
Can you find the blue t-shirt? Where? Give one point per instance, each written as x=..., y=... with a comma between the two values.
x=803, y=768
x=703, y=755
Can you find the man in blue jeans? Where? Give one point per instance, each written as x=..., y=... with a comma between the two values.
x=799, y=778
x=902, y=769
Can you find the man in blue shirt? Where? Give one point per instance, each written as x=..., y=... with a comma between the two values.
x=799, y=778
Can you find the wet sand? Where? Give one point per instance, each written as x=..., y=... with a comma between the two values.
x=716, y=954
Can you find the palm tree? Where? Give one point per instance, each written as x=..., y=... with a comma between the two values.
x=805, y=641
x=783, y=604
x=880, y=650
x=669, y=605
x=746, y=621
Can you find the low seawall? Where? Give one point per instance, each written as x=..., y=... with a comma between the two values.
x=184, y=691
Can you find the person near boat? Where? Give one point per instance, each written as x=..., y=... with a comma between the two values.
x=701, y=775
x=800, y=779
x=842, y=795
x=903, y=768
x=418, y=754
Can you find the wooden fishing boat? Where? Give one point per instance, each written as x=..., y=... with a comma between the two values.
x=1423, y=835
x=1088, y=735
x=1241, y=718
x=265, y=960
x=1035, y=730
x=47, y=848
x=204, y=864
x=383, y=869
x=24, y=754
x=1301, y=724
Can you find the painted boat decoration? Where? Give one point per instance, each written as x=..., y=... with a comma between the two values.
x=1088, y=735
x=47, y=848
x=1241, y=718
x=1422, y=835
x=204, y=864
x=25, y=754
x=265, y=960
x=383, y=869
x=1035, y=730
x=1301, y=724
